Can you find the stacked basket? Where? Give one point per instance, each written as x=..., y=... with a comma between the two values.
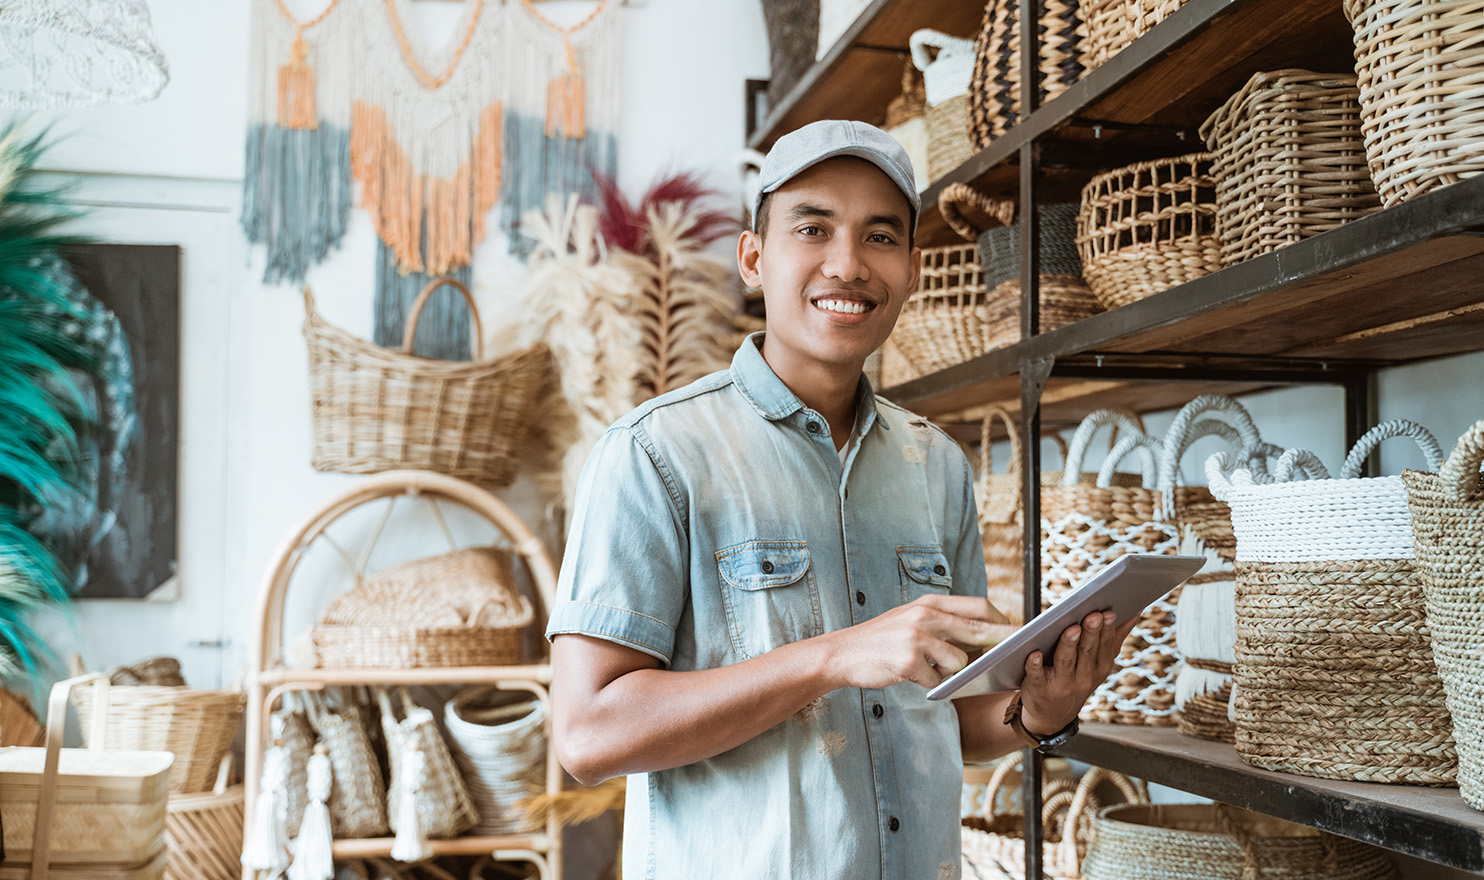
x=946, y=62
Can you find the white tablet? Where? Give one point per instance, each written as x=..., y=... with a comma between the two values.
x=1127, y=585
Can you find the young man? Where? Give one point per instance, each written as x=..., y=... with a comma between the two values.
x=767, y=568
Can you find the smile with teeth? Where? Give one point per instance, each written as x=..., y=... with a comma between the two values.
x=844, y=306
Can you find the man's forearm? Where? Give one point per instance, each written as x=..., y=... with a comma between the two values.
x=983, y=733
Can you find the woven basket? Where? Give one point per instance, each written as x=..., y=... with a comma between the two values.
x=444, y=807
x=1108, y=26
x=906, y=120
x=1334, y=663
x=501, y=749
x=375, y=409
x=1218, y=842
x=995, y=89
x=1148, y=227
x=994, y=841
x=203, y=832
x=1145, y=14
x=1448, y=518
x=1419, y=64
x=948, y=136
x=1288, y=159
x=198, y=726
x=357, y=801
x=18, y=724
x=946, y=63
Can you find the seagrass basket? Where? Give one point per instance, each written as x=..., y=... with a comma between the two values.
x=1288, y=159
x=1419, y=63
x=500, y=747
x=1147, y=227
x=1109, y=27
x=1448, y=524
x=1334, y=675
x=1218, y=842
x=203, y=832
x=374, y=409
x=946, y=63
x=995, y=88
x=197, y=726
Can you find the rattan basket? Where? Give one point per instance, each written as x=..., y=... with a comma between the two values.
x=1288, y=159
x=375, y=409
x=1109, y=27
x=1448, y=519
x=1217, y=842
x=203, y=832
x=1334, y=672
x=1147, y=227
x=501, y=749
x=198, y=726
x=1419, y=64
x=995, y=89
x=946, y=62
x=948, y=136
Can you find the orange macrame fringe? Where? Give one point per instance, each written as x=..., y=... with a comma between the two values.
x=296, y=90
x=398, y=198
x=566, y=106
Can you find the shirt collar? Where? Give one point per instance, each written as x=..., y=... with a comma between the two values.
x=767, y=394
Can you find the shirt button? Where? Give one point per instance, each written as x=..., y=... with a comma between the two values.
x=877, y=710
x=813, y=427
x=767, y=567
x=938, y=569
x=894, y=824
x=860, y=598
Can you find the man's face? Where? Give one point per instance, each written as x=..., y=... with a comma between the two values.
x=836, y=265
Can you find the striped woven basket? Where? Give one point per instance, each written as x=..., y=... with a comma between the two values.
x=995, y=90
x=1448, y=524
x=1334, y=674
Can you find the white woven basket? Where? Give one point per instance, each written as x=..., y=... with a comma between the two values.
x=946, y=73
x=501, y=752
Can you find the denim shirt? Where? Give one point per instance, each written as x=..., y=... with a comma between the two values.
x=716, y=523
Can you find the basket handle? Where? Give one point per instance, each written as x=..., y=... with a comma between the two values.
x=1234, y=424
x=1385, y=431
x=1460, y=473
x=925, y=39
x=1077, y=451
x=1148, y=453
x=422, y=300
x=986, y=463
x=1133, y=793
x=56, y=729
x=1003, y=769
x=956, y=197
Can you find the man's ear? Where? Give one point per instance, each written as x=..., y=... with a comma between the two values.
x=749, y=258
x=916, y=269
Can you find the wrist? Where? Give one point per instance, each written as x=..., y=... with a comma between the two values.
x=1030, y=732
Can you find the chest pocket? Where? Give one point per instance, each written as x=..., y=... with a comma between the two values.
x=770, y=594
x=924, y=571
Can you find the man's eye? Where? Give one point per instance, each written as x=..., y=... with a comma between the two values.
x=882, y=238
x=812, y=230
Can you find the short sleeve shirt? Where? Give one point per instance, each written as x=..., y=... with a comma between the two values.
x=716, y=523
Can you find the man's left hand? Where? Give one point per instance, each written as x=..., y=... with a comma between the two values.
x=1051, y=696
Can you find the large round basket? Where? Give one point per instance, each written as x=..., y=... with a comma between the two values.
x=375, y=409
x=1148, y=227
x=1218, y=842
x=198, y=726
x=203, y=832
x=1419, y=64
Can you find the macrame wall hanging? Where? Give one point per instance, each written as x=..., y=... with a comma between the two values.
x=562, y=117
x=296, y=184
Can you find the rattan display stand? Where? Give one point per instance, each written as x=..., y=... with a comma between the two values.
x=269, y=676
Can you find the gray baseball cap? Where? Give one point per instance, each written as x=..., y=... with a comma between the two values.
x=806, y=147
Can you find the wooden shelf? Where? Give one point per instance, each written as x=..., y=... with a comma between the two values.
x=541, y=674
x=473, y=845
x=862, y=72
x=1430, y=823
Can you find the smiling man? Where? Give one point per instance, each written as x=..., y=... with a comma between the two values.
x=767, y=568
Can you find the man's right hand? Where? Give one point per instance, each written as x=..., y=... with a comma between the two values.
x=924, y=641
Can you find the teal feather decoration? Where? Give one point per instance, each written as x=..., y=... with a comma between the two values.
x=42, y=410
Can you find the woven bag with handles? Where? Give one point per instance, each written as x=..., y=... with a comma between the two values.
x=1448, y=520
x=357, y=794
x=444, y=808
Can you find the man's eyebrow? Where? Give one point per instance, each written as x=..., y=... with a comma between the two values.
x=890, y=220
x=799, y=212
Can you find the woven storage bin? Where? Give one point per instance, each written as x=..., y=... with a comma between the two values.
x=944, y=322
x=995, y=89
x=1145, y=14
x=994, y=841
x=1148, y=227
x=906, y=120
x=1109, y=27
x=153, y=869
x=948, y=136
x=1448, y=526
x=374, y=409
x=1334, y=674
x=1419, y=64
x=1288, y=159
x=501, y=749
x=1218, y=842
x=101, y=807
x=197, y=726
x=203, y=832
x=946, y=63
x=456, y=609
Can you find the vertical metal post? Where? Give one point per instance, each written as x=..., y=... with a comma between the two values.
x=1032, y=380
x=1361, y=414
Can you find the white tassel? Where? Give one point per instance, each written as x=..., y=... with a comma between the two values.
x=312, y=858
x=410, y=845
x=266, y=847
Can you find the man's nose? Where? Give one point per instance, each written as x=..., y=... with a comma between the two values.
x=845, y=260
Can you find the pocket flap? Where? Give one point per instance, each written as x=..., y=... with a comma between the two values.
x=926, y=565
x=761, y=565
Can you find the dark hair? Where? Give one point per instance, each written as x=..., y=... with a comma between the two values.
x=760, y=222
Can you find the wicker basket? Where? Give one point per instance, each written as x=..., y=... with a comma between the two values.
x=375, y=409
x=1419, y=64
x=1109, y=26
x=1334, y=661
x=203, y=832
x=1148, y=227
x=946, y=63
x=948, y=136
x=995, y=842
x=96, y=806
x=442, y=802
x=501, y=749
x=1448, y=517
x=198, y=726
x=1288, y=159
x=906, y=120
x=1218, y=842
x=994, y=91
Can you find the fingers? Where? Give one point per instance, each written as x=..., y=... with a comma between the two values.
x=971, y=607
x=945, y=659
